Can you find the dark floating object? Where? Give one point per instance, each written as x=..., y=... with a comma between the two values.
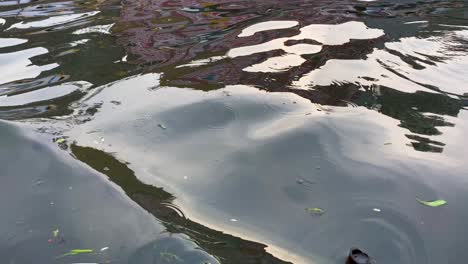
x=357, y=256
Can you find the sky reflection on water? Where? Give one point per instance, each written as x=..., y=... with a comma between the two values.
x=225, y=120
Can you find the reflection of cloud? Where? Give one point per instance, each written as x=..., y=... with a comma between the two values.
x=104, y=29
x=277, y=64
x=44, y=94
x=52, y=21
x=324, y=34
x=8, y=42
x=257, y=152
x=268, y=25
x=433, y=66
x=17, y=66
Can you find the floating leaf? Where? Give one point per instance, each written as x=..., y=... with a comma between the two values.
x=76, y=252
x=60, y=140
x=55, y=232
x=315, y=210
x=435, y=203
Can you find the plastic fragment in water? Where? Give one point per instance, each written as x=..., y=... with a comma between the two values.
x=55, y=232
x=104, y=249
x=60, y=140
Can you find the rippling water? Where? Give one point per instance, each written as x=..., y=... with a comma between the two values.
x=155, y=131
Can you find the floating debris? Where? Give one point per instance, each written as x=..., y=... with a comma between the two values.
x=388, y=143
x=76, y=252
x=315, y=210
x=55, y=233
x=377, y=210
x=106, y=169
x=60, y=140
x=304, y=181
x=162, y=126
x=357, y=256
x=104, y=249
x=435, y=203
x=233, y=220
x=38, y=182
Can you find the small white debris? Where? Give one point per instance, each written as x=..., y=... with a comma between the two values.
x=106, y=169
x=233, y=220
x=376, y=210
x=104, y=249
x=102, y=139
x=162, y=126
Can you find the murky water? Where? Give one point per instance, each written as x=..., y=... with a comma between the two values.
x=155, y=131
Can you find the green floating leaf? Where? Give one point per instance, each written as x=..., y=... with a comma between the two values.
x=55, y=232
x=315, y=210
x=60, y=140
x=76, y=252
x=435, y=203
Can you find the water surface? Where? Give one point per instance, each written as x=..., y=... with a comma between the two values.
x=204, y=132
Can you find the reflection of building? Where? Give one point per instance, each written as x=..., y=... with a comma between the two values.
x=165, y=35
x=170, y=32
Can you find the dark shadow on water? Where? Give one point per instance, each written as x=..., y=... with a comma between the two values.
x=421, y=112
x=227, y=248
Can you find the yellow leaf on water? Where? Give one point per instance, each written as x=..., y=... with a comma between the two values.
x=315, y=210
